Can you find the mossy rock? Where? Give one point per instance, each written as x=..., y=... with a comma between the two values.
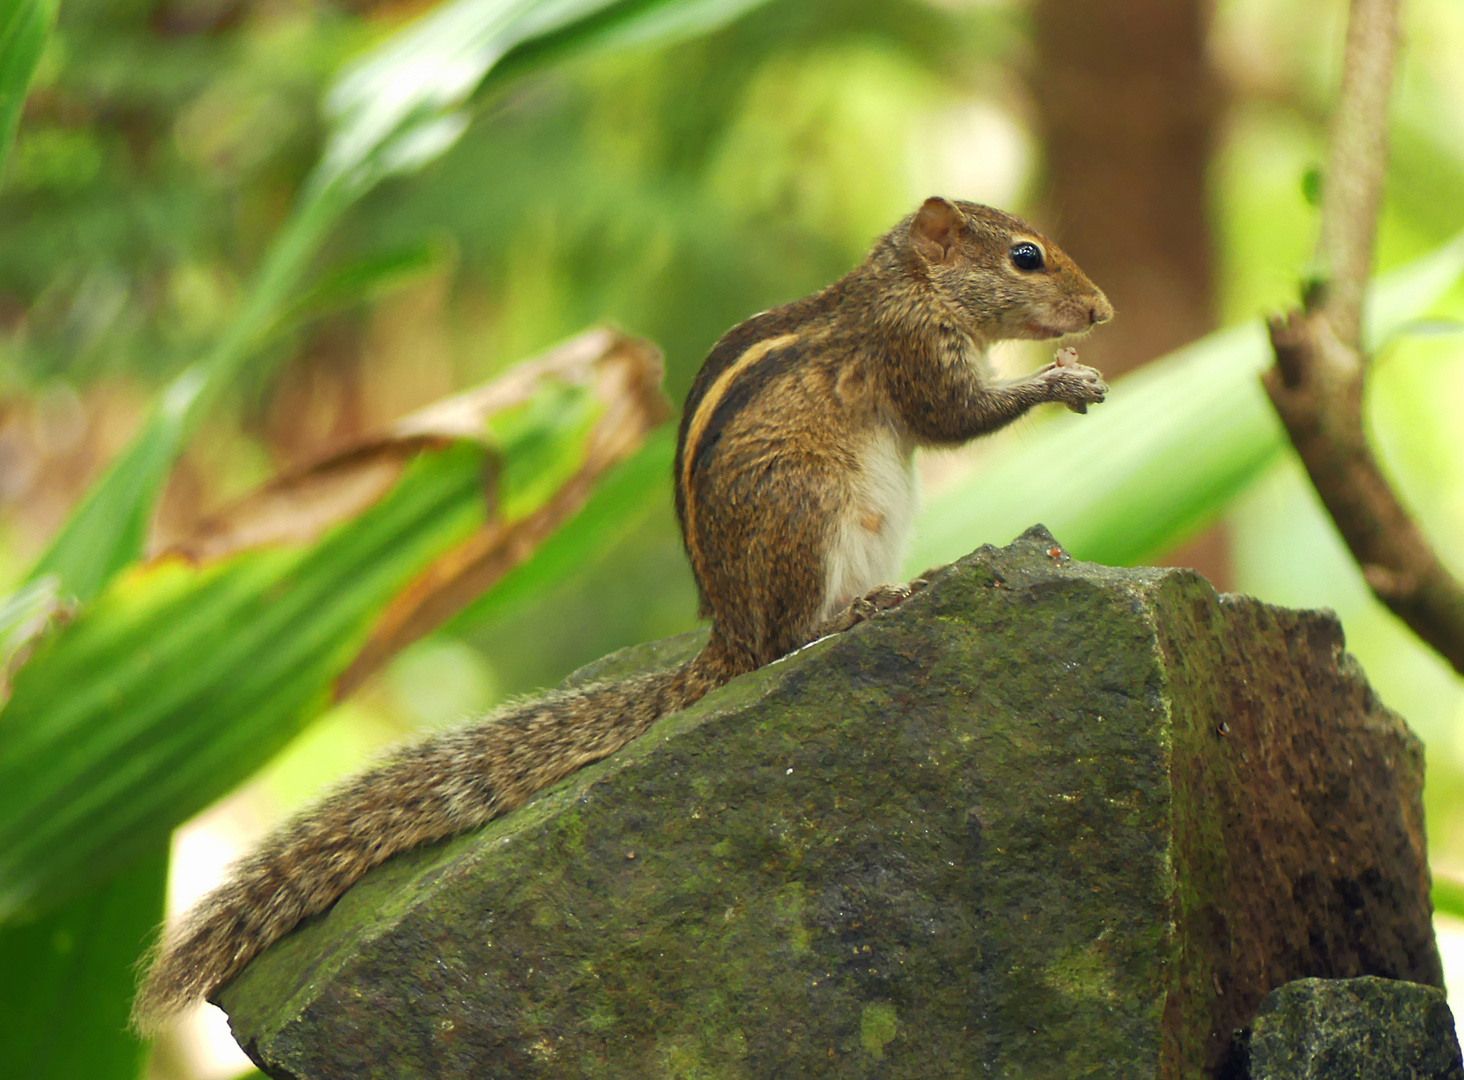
x=1047, y=819
x=1346, y=1029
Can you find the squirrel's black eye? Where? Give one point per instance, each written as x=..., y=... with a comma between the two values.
x=1026, y=256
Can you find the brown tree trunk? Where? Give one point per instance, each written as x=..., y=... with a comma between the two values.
x=1129, y=107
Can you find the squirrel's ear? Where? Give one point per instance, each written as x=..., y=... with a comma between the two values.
x=934, y=230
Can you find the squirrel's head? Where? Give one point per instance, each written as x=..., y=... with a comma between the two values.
x=1002, y=277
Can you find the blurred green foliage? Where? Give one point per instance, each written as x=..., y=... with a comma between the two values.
x=673, y=190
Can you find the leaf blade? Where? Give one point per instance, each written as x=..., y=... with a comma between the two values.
x=25, y=27
x=189, y=671
x=67, y=1016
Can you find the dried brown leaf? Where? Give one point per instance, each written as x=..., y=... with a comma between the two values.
x=298, y=506
x=626, y=373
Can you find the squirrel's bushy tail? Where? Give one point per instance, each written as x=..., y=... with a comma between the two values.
x=445, y=784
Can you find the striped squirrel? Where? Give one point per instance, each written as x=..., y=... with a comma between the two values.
x=794, y=491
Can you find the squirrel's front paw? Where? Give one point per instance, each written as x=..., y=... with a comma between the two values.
x=1075, y=385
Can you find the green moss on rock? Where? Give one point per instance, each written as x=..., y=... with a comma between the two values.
x=1345, y=1029
x=1046, y=819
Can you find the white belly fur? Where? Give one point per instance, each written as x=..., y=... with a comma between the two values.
x=869, y=541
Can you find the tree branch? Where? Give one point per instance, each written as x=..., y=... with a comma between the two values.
x=1317, y=383
x=1352, y=190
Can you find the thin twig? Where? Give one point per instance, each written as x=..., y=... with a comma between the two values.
x=1352, y=191
x=1317, y=383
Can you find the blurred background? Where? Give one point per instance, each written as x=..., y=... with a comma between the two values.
x=1169, y=145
